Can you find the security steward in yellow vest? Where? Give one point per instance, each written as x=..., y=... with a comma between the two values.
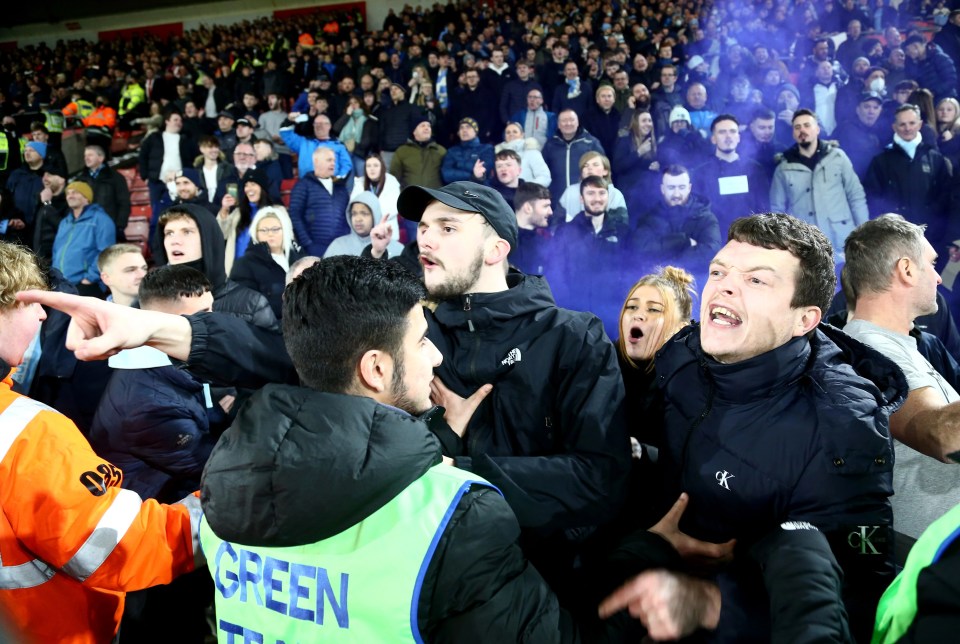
x=11, y=150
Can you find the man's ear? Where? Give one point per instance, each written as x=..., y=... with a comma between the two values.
x=375, y=372
x=808, y=320
x=497, y=252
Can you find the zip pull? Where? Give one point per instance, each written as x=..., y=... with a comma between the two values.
x=466, y=302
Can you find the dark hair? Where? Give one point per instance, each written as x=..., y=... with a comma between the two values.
x=529, y=191
x=816, y=281
x=723, y=117
x=208, y=140
x=593, y=182
x=873, y=249
x=171, y=111
x=675, y=170
x=508, y=154
x=804, y=112
x=762, y=112
x=383, y=172
x=342, y=307
x=170, y=283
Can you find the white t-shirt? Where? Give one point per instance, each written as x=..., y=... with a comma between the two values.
x=924, y=488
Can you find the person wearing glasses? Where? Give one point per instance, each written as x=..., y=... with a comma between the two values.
x=272, y=250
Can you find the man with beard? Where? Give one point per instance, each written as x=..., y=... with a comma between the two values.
x=733, y=186
x=532, y=204
x=816, y=183
x=679, y=229
x=550, y=433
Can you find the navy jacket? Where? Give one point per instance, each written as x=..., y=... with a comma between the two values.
x=796, y=434
x=153, y=424
x=317, y=215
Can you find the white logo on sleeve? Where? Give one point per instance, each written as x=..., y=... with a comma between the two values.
x=723, y=477
x=512, y=357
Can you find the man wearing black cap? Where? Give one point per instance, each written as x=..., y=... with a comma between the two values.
x=551, y=433
x=244, y=131
x=225, y=132
x=861, y=136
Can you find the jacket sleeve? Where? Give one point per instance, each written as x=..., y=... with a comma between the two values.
x=856, y=197
x=778, y=191
x=479, y=587
x=707, y=236
x=106, y=237
x=214, y=356
x=803, y=581
x=298, y=213
x=539, y=170
x=454, y=166
x=123, y=200
x=291, y=138
x=67, y=507
x=344, y=162
x=583, y=483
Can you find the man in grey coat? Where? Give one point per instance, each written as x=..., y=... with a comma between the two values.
x=816, y=183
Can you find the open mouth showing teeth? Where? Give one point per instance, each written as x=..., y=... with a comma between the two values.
x=724, y=316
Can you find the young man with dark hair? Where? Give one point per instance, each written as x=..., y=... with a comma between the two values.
x=506, y=174
x=188, y=234
x=551, y=433
x=804, y=451
x=816, y=182
x=732, y=185
x=533, y=208
x=72, y=538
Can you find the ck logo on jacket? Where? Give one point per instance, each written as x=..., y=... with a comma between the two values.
x=723, y=477
x=862, y=538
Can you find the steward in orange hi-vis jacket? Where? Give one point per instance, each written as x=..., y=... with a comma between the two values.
x=72, y=541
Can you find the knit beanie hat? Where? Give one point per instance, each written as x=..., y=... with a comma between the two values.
x=40, y=148
x=83, y=188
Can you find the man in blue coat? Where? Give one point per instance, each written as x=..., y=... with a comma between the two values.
x=83, y=234
x=317, y=204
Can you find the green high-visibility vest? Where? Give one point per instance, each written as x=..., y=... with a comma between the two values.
x=54, y=121
x=361, y=585
x=4, y=152
x=898, y=606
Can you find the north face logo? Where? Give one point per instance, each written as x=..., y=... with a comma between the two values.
x=513, y=356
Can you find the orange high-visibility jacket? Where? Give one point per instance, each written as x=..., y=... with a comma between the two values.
x=72, y=541
x=102, y=116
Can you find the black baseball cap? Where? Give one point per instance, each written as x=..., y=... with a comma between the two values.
x=870, y=96
x=467, y=196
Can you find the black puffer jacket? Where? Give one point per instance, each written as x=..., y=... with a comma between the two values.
x=796, y=434
x=552, y=434
x=228, y=296
x=299, y=466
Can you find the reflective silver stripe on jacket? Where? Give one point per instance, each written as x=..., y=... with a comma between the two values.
x=27, y=575
x=110, y=530
x=13, y=421
x=196, y=513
